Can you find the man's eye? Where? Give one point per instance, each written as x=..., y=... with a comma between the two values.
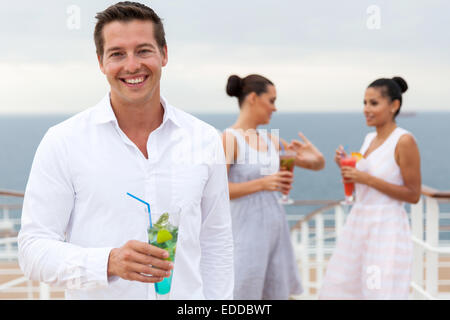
x=145, y=51
x=115, y=54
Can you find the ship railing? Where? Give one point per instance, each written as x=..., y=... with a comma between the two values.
x=314, y=237
x=13, y=283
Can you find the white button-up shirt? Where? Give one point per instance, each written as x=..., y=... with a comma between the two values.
x=76, y=207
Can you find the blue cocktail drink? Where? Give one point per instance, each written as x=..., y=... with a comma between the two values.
x=164, y=234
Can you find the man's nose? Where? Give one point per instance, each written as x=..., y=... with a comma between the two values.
x=132, y=64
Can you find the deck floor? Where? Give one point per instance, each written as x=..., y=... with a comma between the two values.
x=444, y=274
x=13, y=267
x=58, y=293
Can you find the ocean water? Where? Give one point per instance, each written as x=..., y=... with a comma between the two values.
x=20, y=136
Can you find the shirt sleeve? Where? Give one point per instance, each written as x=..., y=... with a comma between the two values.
x=216, y=239
x=49, y=199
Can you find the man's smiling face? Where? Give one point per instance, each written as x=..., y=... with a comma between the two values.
x=132, y=60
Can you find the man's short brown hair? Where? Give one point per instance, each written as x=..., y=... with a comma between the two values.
x=127, y=11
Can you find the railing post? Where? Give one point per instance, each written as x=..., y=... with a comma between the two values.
x=44, y=291
x=30, y=293
x=305, y=257
x=296, y=245
x=432, y=238
x=6, y=214
x=319, y=249
x=8, y=249
x=417, y=231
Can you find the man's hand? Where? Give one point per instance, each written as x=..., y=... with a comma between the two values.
x=139, y=261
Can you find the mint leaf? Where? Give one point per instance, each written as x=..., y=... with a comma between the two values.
x=162, y=221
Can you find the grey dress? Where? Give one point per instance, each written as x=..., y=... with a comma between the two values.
x=265, y=266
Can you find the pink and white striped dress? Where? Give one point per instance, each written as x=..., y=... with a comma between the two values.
x=373, y=256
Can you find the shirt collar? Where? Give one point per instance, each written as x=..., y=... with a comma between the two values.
x=169, y=112
x=104, y=112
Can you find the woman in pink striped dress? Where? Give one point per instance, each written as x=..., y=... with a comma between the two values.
x=373, y=255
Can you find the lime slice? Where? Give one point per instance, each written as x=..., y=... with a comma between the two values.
x=163, y=236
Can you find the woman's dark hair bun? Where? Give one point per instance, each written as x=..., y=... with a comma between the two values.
x=234, y=86
x=401, y=83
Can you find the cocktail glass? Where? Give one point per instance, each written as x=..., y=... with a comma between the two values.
x=287, y=163
x=164, y=234
x=349, y=187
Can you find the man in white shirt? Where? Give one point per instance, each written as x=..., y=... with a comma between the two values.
x=80, y=230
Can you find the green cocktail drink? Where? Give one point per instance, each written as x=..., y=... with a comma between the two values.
x=287, y=163
x=164, y=234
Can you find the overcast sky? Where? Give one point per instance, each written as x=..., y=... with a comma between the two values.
x=321, y=55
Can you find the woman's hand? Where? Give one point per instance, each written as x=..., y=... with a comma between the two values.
x=308, y=156
x=350, y=174
x=280, y=181
x=340, y=153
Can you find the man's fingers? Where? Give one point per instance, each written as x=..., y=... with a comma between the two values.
x=147, y=279
x=148, y=249
x=149, y=270
x=149, y=260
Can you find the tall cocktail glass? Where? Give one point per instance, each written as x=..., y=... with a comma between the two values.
x=349, y=187
x=287, y=163
x=164, y=234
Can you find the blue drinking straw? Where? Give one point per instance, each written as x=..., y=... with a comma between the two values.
x=149, y=218
x=148, y=207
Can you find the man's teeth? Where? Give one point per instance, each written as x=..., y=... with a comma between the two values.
x=134, y=81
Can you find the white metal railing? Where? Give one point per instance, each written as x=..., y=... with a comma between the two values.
x=15, y=286
x=9, y=253
x=427, y=248
x=14, y=282
x=310, y=238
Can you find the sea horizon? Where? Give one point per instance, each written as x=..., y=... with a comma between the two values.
x=235, y=112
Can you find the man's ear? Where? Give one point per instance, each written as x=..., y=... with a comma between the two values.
x=165, y=56
x=100, y=63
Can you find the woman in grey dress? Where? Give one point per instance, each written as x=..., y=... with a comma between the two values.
x=265, y=266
